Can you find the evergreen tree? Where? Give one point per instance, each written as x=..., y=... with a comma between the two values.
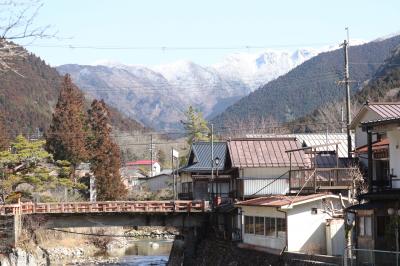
x=28, y=165
x=195, y=126
x=66, y=137
x=105, y=154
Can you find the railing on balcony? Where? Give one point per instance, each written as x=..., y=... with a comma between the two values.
x=321, y=178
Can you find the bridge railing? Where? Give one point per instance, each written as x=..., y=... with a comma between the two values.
x=10, y=209
x=105, y=206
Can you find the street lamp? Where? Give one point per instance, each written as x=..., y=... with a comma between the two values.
x=216, y=162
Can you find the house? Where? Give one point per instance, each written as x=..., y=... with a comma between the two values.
x=377, y=214
x=261, y=165
x=132, y=177
x=164, y=180
x=151, y=167
x=303, y=223
x=201, y=180
x=372, y=111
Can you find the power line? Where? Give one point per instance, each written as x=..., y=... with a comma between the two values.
x=172, y=48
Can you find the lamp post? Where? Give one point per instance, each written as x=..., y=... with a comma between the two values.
x=216, y=163
x=396, y=215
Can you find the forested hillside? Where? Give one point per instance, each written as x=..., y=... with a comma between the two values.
x=384, y=86
x=310, y=85
x=28, y=95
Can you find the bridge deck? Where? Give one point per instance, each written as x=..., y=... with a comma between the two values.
x=106, y=207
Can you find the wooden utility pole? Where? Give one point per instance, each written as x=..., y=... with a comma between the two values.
x=347, y=84
x=212, y=164
x=151, y=155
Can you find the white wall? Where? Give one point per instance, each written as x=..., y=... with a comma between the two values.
x=361, y=136
x=306, y=231
x=268, y=172
x=259, y=240
x=394, y=155
x=261, y=186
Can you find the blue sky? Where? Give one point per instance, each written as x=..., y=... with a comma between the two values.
x=275, y=24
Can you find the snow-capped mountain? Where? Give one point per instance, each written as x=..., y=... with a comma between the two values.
x=255, y=70
x=159, y=95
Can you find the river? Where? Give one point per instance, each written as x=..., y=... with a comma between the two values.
x=140, y=253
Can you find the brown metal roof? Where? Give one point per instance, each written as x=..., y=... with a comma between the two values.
x=266, y=152
x=386, y=110
x=279, y=200
x=377, y=146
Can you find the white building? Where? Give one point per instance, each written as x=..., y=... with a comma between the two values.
x=369, y=112
x=151, y=167
x=301, y=223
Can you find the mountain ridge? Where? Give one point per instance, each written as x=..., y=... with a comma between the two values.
x=310, y=85
x=159, y=95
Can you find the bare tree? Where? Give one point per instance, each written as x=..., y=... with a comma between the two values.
x=17, y=22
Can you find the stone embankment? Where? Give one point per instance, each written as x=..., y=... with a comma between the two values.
x=73, y=246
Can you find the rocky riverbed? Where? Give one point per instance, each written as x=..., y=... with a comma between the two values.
x=91, y=246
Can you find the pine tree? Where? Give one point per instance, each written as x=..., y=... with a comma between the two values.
x=27, y=163
x=195, y=126
x=66, y=137
x=105, y=154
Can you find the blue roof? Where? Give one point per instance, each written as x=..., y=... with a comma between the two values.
x=200, y=156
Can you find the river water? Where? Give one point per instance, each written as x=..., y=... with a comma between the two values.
x=141, y=253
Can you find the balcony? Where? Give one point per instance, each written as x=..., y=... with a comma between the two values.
x=313, y=180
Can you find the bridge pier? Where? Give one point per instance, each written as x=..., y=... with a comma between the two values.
x=10, y=230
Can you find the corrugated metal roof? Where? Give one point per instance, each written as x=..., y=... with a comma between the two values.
x=279, y=200
x=385, y=110
x=380, y=145
x=266, y=152
x=202, y=156
x=315, y=139
x=141, y=162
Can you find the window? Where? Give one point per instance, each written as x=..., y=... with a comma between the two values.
x=368, y=225
x=365, y=226
x=187, y=187
x=361, y=226
x=269, y=226
x=281, y=227
x=249, y=224
x=259, y=225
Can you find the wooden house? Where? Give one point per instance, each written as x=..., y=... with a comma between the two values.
x=377, y=216
x=261, y=165
x=200, y=179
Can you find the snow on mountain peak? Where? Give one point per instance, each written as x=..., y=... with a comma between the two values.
x=256, y=69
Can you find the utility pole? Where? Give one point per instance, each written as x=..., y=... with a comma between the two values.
x=173, y=172
x=212, y=164
x=151, y=155
x=347, y=81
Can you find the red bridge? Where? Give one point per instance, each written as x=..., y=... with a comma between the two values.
x=180, y=214
x=105, y=207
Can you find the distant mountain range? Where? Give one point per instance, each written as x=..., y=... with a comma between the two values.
x=310, y=85
x=27, y=99
x=158, y=96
